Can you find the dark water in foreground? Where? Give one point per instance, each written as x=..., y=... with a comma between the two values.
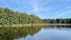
x=35, y=33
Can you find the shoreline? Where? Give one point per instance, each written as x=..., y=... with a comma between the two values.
x=32, y=25
x=23, y=25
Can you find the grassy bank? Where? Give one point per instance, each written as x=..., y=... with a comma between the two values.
x=23, y=25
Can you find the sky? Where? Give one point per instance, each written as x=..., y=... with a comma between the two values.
x=50, y=9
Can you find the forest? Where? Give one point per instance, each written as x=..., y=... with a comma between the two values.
x=66, y=20
x=8, y=16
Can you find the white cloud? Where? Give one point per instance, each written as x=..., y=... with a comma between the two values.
x=37, y=8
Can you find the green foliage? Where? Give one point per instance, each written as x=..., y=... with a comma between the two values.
x=8, y=16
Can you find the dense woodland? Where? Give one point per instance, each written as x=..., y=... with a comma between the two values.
x=8, y=16
x=67, y=20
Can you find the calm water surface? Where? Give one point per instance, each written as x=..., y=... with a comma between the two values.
x=37, y=33
x=50, y=34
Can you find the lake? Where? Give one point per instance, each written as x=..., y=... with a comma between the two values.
x=35, y=33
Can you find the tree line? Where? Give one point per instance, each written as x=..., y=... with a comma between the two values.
x=67, y=20
x=8, y=16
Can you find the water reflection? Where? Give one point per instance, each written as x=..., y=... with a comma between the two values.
x=11, y=33
x=50, y=34
x=36, y=33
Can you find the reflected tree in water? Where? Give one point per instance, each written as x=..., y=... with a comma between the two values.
x=11, y=33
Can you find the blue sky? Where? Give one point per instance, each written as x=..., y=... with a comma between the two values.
x=41, y=8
